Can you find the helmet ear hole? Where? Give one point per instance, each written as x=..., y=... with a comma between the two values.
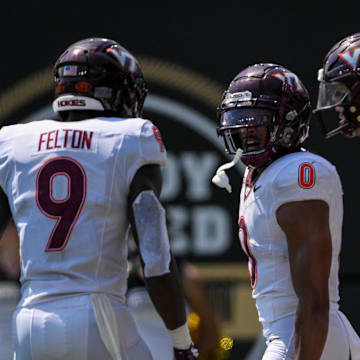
x=286, y=137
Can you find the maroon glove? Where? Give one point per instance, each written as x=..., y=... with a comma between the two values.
x=189, y=354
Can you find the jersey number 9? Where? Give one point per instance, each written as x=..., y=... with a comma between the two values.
x=65, y=211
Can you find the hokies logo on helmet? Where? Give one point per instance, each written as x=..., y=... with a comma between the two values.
x=351, y=57
x=123, y=57
x=290, y=79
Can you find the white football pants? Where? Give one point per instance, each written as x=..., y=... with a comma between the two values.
x=77, y=328
x=151, y=327
x=340, y=340
x=9, y=297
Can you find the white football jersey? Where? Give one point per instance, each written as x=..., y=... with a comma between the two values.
x=294, y=177
x=67, y=185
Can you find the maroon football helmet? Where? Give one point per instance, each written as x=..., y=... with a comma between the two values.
x=265, y=95
x=99, y=74
x=340, y=87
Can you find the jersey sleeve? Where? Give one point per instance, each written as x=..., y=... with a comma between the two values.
x=5, y=151
x=149, y=149
x=305, y=179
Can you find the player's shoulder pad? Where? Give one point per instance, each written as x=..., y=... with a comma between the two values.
x=304, y=171
x=144, y=146
x=152, y=145
x=127, y=126
x=9, y=131
x=14, y=130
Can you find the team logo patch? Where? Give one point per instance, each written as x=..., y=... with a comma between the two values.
x=158, y=138
x=83, y=86
x=306, y=178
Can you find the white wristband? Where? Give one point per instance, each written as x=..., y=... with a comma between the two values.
x=181, y=337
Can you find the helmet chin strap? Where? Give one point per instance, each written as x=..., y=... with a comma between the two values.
x=220, y=178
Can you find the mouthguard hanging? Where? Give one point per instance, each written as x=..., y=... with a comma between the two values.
x=220, y=178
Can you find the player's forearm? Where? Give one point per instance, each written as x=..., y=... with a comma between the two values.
x=311, y=327
x=167, y=296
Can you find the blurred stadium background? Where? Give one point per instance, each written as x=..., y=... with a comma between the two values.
x=188, y=57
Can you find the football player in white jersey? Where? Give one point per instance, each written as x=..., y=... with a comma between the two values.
x=290, y=216
x=339, y=88
x=73, y=187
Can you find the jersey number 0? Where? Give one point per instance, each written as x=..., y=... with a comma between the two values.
x=65, y=211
